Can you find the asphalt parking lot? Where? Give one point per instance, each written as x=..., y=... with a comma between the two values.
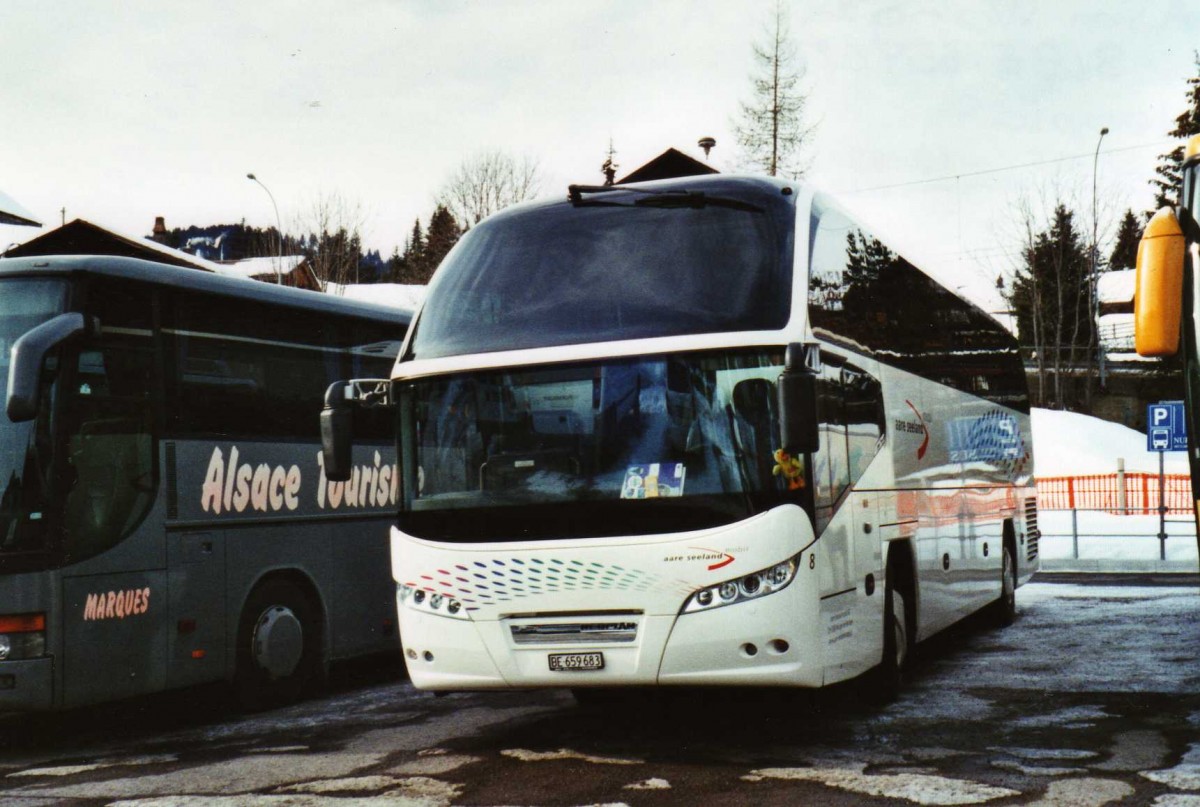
x=1092, y=697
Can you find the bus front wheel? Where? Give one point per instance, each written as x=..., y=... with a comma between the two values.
x=278, y=646
x=897, y=643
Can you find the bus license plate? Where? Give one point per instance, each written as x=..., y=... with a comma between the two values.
x=574, y=662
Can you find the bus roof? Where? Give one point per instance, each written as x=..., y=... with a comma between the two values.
x=193, y=279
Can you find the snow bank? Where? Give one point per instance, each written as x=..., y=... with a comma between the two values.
x=1070, y=444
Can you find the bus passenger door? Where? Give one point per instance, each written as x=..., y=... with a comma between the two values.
x=196, y=591
x=114, y=592
x=869, y=576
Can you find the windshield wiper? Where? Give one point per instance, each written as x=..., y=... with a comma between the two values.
x=665, y=199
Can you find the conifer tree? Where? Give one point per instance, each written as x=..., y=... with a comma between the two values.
x=1051, y=302
x=406, y=266
x=771, y=128
x=1124, y=254
x=442, y=234
x=1186, y=125
x=609, y=168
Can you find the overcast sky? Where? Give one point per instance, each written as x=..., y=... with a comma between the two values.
x=123, y=111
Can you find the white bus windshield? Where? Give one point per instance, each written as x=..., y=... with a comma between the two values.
x=606, y=448
x=613, y=266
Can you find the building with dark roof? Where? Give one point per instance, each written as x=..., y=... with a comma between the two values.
x=81, y=237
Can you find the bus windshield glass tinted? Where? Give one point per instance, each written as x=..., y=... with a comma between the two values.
x=628, y=447
x=613, y=266
x=26, y=448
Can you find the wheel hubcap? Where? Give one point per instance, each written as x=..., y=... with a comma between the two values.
x=278, y=642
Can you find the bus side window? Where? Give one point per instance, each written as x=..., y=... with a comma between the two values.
x=865, y=420
x=831, y=468
x=234, y=374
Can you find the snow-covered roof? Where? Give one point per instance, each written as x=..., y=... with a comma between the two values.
x=259, y=267
x=397, y=295
x=11, y=212
x=1115, y=287
x=145, y=243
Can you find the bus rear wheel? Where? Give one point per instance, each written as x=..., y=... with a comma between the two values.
x=278, y=646
x=1004, y=609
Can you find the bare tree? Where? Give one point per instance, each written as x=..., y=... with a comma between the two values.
x=486, y=183
x=332, y=240
x=771, y=129
x=1029, y=295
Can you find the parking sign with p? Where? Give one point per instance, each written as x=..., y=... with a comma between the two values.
x=1166, y=427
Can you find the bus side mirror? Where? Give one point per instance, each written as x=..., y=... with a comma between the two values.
x=1158, y=289
x=337, y=432
x=797, y=397
x=28, y=354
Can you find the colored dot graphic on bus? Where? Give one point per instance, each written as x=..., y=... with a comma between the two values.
x=504, y=580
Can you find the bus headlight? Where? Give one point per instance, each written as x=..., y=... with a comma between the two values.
x=739, y=589
x=418, y=599
x=22, y=636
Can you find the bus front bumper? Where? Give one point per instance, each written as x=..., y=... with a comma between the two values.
x=759, y=643
x=27, y=685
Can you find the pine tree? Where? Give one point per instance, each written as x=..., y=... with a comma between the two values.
x=771, y=130
x=1124, y=254
x=395, y=267
x=406, y=267
x=609, y=168
x=1051, y=300
x=442, y=234
x=1186, y=125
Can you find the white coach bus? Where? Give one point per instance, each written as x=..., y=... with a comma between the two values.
x=702, y=431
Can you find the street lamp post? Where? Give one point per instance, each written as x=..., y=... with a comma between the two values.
x=1095, y=280
x=279, y=227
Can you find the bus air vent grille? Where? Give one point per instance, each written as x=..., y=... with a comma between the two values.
x=1032, y=533
x=575, y=632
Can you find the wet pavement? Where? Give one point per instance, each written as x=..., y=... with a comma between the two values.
x=1092, y=697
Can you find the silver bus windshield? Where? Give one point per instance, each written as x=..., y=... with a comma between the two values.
x=616, y=447
x=613, y=267
x=25, y=448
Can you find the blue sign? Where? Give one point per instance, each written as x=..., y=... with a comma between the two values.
x=1166, y=428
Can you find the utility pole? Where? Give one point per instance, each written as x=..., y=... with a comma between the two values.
x=1094, y=279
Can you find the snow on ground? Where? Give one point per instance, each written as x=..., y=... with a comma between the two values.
x=1107, y=538
x=1070, y=444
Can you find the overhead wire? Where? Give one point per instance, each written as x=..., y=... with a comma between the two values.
x=999, y=169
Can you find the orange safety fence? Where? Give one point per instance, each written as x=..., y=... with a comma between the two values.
x=1103, y=492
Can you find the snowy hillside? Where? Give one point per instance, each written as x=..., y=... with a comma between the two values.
x=1069, y=444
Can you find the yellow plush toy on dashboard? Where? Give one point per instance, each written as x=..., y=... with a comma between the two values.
x=789, y=468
